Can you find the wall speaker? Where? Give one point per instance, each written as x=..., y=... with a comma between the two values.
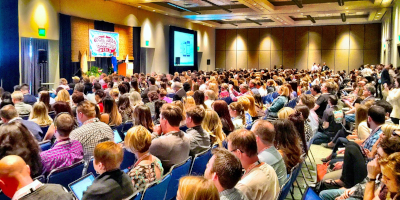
x=208, y=62
x=178, y=60
x=42, y=58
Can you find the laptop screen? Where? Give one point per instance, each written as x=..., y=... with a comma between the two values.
x=81, y=185
x=117, y=137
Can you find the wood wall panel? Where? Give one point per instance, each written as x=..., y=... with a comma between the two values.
x=252, y=59
x=314, y=56
x=357, y=36
x=231, y=60
x=328, y=56
x=253, y=39
x=276, y=38
x=231, y=39
x=220, y=39
x=372, y=36
x=265, y=59
x=289, y=38
x=301, y=38
x=241, y=60
x=276, y=58
x=371, y=56
x=241, y=40
x=328, y=37
x=288, y=59
x=341, y=60
x=80, y=39
x=343, y=37
x=301, y=59
x=125, y=41
x=314, y=37
x=356, y=59
x=265, y=39
x=220, y=59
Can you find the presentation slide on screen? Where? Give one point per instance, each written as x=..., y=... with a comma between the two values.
x=81, y=186
x=183, y=49
x=103, y=43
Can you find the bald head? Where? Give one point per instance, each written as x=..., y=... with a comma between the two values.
x=14, y=174
x=265, y=131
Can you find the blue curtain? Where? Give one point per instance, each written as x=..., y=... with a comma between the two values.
x=9, y=45
x=33, y=72
x=103, y=62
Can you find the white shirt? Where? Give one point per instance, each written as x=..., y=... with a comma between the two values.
x=314, y=68
x=91, y=98
x=27, y=189
x=366, y=72
x=261, y=183
x=203, y=87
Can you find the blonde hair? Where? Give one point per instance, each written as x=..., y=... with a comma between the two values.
x=245, y=102
x=17, y=95
x=388, y=129
x=40, y=114
x=135, y=99
x=213, y=125
x=252, y=107
x=285, y=112
x=197, y=188
x=213, y=87
x=138, y=138
x=284, y=91
x=63, y=81
x=189, y=102
x=238, y=107
x=63, y=95
x=180, y=105
x=114, y=92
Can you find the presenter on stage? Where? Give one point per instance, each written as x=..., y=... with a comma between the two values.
x=114, y=62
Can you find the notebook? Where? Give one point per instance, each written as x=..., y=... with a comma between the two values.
x=79, y=186
x=117, y=137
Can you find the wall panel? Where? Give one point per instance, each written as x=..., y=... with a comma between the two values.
x=231, y=60
x=328, y=56
x=220, y=59
x=371, y=56
x=314, y=56
x=265, y=39
x=288, y=59
x=241, y=40
x=265, y=59
x=356, y=59
x=301, y=38
x=357, y=36
x=301, y=59
x=252, y=59
x=314, y=37
x=276, y=58
x=289, y=38
x=372, y=37
x=343, y=37
x=341, y=60
x=241, y=60
x=276, y=38
x=220, y=39
x=231, y=35
x=253, y=39
x=328, y=37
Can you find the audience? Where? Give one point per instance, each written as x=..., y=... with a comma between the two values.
x=22, y=108
x=259, y=181
x=112, y=183
x=278, y=103
x=64, y=152
x=213, y=126
x=16, y=182
x=28, y=98
x=199, y=138
x=39, y=114
x=92, y=131
x=196, y=188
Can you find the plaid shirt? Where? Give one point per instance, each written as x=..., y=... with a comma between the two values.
x=91, y=133
x=61, y=155
x=370, y=141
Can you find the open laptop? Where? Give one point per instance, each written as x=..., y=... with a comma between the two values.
x=79, y=186
x=117, y=137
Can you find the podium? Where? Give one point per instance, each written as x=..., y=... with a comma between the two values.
x=125, y=68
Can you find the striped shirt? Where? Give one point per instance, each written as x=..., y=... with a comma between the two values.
x=232, y=194
x=62, y=155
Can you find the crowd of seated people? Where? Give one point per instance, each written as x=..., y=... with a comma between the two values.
x=262, y=122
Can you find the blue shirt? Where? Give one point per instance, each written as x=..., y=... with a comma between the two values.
x=272, y=157
x=114, y=63
x=371, y=140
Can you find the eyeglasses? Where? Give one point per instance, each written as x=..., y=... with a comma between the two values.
x=236, y=150
x=396, y=133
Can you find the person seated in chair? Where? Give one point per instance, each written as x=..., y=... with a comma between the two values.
x=112, y=183
x=18, y=100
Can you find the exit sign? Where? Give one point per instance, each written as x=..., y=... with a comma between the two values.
x=147, y=43
x=42, y=32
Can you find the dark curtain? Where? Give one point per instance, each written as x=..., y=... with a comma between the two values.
x=67, y=68
x=9, y=45
x=136, y=49
x=34, y=73
x=103, y=62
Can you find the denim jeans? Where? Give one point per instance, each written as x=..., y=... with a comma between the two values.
x=350, y=118
x=332, y=194
x=320, y=138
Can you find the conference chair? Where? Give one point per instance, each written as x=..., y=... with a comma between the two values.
x=24, y=117
x=136, y=196
x=127, y=125
x=66, y=175
x=170, y=95
x=90, y=167
x=157, y=190
x=286, y=187
x=44, y=131
x=177, y=171
x=309, y=194
x=45, y=145
x=275, y=95
x=200, y=162
x=70, y=91
x=52, y=114
x=228, y=100
x=292, y=103
x=119, y=129
x=41, y=178
x=3, y=196
x=128, y=161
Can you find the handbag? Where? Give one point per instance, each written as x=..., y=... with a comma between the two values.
x=322, y=169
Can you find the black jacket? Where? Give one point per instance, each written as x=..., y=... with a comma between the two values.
x=385, y=77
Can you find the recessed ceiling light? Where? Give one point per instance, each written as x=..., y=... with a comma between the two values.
x=312, y=24
x=262, y=8
x=266, y=26
x=285, y=23
x=347, y=7
x=255, y=4
x=166, y=14
x=139, y=6
x=154, y=10
x=298, y=10
x=379, y=13
x=301, y=13
x=347, y=11
x=277, y=17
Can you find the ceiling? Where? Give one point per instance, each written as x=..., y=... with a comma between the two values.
x=268, y=13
